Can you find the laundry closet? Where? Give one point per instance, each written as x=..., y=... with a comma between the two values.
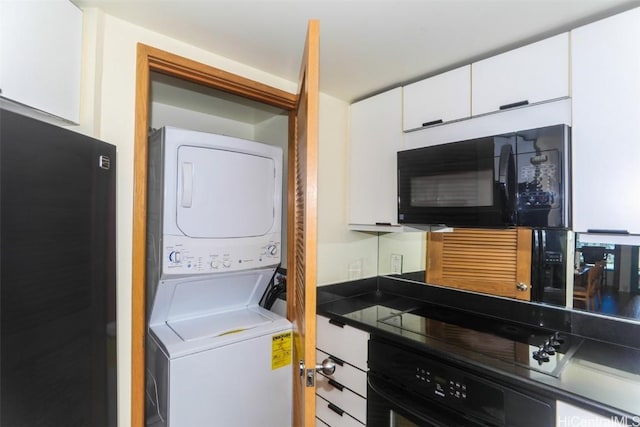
x=215, y=237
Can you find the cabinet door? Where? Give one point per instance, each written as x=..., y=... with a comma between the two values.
x=376, y=136
x=438, y=99
x=533, y=73
x=505, y=265
x=40, y=47
x=606, y=130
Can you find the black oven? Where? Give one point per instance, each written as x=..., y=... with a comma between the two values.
x=519, y=178
x=409, y=388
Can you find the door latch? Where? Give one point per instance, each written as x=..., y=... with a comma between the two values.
x=327, y=367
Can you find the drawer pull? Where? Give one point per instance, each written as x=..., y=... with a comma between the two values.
x=336, y=384
x=335, y=409
x=604, y=231
x=336, y=360
x=514, y=105
x=431, y=123
x=336, y=323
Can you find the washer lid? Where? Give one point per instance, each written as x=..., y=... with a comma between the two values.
x=194, y=297
x=220, y=324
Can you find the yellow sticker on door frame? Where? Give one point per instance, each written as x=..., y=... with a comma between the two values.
x=280, y=350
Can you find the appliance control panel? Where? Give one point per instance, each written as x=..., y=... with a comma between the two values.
x=451, y=384
x=442, y=386
x=205, y=256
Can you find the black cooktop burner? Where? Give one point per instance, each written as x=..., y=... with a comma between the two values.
x=534, y=348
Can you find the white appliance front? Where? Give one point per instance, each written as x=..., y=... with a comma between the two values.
x=215, y=357
x=214, y=203
x=228, y=369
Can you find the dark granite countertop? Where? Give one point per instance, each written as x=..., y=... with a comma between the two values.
x=600, y=375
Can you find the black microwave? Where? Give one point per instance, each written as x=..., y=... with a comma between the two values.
x=519, y=178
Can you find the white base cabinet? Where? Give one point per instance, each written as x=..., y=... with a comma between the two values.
x=40, y=56
x=375, y=138
x=341, y=398
x=606, y=124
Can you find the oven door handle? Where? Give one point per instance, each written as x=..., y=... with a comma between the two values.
x=403, y=406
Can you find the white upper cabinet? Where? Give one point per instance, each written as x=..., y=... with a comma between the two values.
x=606, y=124
x=527, y=75
x=375, y=138
x=438, y=99
x=40, y=54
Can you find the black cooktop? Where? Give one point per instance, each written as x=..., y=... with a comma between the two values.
x=536, y=349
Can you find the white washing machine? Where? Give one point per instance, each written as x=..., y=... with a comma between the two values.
x=214, y=356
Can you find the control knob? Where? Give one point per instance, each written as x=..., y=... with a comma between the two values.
x=272, y=249
x=214, y=264
x=226, y=263
x=175, y=257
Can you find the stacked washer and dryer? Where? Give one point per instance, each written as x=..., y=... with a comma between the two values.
x=214, y=356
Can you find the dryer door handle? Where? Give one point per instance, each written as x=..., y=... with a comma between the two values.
x=187, y=184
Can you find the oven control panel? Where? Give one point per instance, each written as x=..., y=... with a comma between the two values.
x=441, y=385
x=451, y=384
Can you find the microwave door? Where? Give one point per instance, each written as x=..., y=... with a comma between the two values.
x=458, y=184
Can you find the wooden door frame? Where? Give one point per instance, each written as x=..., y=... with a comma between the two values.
x=152, y=59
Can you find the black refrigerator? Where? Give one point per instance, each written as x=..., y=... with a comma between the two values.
x=57, y=276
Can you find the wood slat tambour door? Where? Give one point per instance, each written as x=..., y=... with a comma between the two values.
x=491, y=261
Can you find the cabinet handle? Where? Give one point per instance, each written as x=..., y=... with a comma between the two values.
x=383, y=223
x=336, y=360
x=336, y=384
x=431, y=123
x=605, y=231
x=514, y=105
x=335, y=409
x=336, y=323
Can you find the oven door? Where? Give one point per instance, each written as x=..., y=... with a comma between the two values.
x=467, y=183
x=389, y=406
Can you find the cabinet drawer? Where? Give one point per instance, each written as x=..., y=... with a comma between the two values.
x=338, y=394
x=333, y=415
x=347, y=375
x=342, y=341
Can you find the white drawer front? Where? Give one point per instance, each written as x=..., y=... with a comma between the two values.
x=333, y=418
x=347, y=375
x=320, y=423
x=353, y=404
x=344, y=342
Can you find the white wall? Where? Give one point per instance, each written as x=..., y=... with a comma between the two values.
x=169, y=115
x=107, y=113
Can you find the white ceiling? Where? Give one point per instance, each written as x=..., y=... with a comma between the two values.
x=366, y=45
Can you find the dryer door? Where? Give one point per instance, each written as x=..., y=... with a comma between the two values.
x=222, y=194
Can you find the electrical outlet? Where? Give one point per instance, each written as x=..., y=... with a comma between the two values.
x=355, y=269
x=396, y=264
